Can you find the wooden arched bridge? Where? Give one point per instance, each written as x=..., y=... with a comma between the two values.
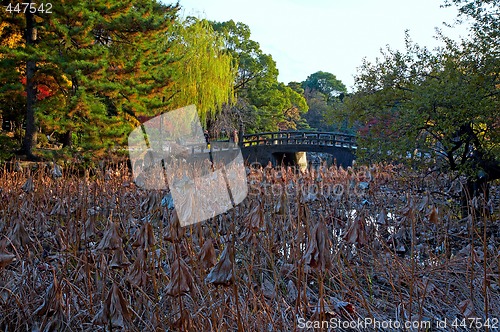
x=287, y=146
x=282, y=147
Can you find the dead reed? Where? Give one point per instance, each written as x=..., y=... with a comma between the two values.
x=95, y=252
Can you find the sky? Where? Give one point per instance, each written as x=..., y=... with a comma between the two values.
x=306, y=36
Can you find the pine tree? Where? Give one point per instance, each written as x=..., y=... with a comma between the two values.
x=99, y=53
x=109, y=63
x=11, y=86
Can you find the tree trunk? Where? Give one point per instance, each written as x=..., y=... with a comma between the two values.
x=67, y=139
x=478, y=185
x=30, y=134
x=474, y=188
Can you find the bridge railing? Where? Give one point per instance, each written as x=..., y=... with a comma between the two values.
x=192, y=148
x=330, y=139
x=300, y=138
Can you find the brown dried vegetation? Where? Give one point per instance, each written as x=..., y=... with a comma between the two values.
x=97, y=253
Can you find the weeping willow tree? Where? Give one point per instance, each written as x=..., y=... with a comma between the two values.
x=203, y=73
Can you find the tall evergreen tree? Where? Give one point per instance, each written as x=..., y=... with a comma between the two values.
x=11, y=86
x=102, y=49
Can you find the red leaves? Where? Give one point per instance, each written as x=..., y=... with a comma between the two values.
x=43, y=91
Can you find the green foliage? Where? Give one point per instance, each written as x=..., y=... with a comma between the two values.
x=326, y=83
x=11, y=88
x=205, y=73
x=7, y=146
x=318, y=108
x=105, y=64
x=264, y=104
x=485, y=15
x=251, y=62
x=323, y=92
x=89, y=54
x=295, y=107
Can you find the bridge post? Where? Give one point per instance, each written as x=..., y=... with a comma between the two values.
x=240, y=135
